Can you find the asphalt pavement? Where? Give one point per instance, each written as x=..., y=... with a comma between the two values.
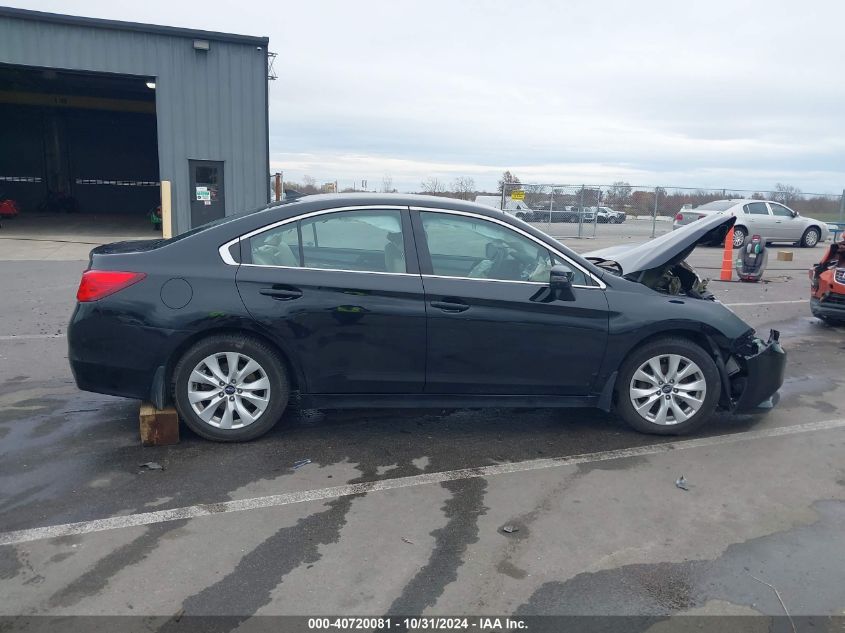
x=404, y=512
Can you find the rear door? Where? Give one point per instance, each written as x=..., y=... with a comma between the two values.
x=491, y=326
x=341, y=291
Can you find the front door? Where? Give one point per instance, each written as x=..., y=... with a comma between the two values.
x=207, y=193
x=492, y=328
x=336, y=292
x=786, y=226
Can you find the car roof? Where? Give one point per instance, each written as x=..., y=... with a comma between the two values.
x=328, y=200
x=741, y=201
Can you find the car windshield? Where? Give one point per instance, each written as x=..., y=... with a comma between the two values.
x=718, y=205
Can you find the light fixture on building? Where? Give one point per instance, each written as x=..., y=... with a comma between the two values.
x=201, y=45
x=151, y=85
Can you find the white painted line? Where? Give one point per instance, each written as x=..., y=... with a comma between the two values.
x=288, y=498
x=766, y=303
x=29, y=337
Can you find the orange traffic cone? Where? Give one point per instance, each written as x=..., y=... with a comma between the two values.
x=728, y=257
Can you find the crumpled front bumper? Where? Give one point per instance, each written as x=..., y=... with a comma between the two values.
x=762, y=375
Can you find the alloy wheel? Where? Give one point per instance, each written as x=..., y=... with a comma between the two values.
x=229, y=390
x=811, y=238
x=739, y=238
x=667, y=389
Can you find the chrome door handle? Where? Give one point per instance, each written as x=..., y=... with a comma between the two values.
x=281, y=294
x=449, y=306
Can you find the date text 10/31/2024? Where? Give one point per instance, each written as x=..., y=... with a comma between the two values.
x=481, y=624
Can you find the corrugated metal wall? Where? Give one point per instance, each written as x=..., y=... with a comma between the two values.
x=210, y=105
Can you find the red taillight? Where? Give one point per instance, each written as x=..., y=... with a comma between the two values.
x=679, y=217
x=97, y=284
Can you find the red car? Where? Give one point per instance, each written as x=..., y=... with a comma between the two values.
x=827, y=285
x=8, y=208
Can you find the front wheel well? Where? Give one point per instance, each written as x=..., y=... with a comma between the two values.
x=697, y=337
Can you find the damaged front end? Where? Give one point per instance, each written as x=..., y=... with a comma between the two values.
x=827, y=285
x=660, y=263
x=752, y=371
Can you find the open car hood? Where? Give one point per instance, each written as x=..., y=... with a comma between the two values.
x=664, y=251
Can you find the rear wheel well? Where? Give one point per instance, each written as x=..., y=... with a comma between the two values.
x=293, y=376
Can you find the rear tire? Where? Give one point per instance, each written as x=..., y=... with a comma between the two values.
x=670, y=386
x=248, y=373
x=810, y=238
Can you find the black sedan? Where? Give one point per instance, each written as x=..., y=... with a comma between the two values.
x=406, y=301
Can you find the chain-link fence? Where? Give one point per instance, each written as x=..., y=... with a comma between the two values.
x=589, y=211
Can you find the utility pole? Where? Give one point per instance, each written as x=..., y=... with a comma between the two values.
x=842, y=207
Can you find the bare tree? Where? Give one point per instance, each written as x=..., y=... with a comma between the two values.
x=786, y=194
x=619, y=193
x=509, y=181
x=309, y=185
x=432, y=186
x=537, y=196
x=387, y=184
x=464, y=187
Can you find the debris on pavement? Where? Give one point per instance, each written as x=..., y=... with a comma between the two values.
x=151, y=466
x=300, y=463
x=408, y=541
x=777, y=593
x=681, y=483
x=510, y=529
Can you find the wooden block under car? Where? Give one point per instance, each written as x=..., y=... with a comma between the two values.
x=784, y=256
x=159, y=427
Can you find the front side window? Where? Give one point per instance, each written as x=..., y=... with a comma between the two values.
x=780, y=211
x=367, y=241
x=468, y=247
x=756, y=208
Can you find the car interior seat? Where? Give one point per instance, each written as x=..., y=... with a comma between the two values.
x=275, y=253
x=394, y=254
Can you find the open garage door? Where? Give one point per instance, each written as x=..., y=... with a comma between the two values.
x=78, y=142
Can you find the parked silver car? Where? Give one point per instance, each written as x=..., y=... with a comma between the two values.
x=770, y=220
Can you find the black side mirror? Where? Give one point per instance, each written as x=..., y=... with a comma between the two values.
x=560, y=282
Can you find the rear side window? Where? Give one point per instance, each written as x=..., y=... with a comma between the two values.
x=366, y=241
x=756, y=208
x=277, y=247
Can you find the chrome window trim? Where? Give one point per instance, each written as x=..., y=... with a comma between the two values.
x=227, y=258
x=331, y=270
x=498, y=281
x=225, y=253
x=600, y=284
x=246, y=236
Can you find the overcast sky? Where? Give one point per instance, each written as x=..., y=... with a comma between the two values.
x=704, y=94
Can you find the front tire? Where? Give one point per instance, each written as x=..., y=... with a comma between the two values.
x=669, y=386
x=230, y=388
x=740, y=235
x=810, y=238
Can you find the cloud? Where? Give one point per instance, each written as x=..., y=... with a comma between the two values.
x=727, y=93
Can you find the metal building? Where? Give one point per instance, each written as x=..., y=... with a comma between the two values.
x=95, y=113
